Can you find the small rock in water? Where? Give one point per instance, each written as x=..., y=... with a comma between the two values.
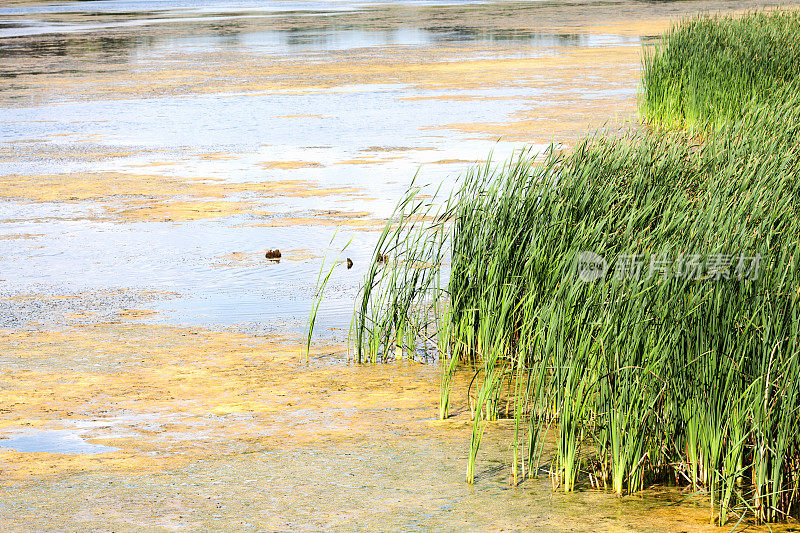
x=273, y=254
x=349, y=263
x=382, y=258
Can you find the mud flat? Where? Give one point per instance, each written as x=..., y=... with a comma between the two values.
x=213, y=430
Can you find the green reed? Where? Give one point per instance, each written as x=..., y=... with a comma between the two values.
x=704, y=68
x=668, y=376
x=655, y=371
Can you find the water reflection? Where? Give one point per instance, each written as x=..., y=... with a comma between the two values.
x=330, y=37
x=214, y=6
x=105, y=49
x=324, y=36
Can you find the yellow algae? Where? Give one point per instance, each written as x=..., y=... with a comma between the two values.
x=646, y=25
x=236, y=256
x=19, y=236
x=294, y=188
x=342, y=214
x=421, y=67
x=184, y=375
x=456, y=69
x=374, y=159
x=357, y=219
x=217, y=156
x=20, y=297
x=456, y=97
x=556, y=124
x=302, y=116
x=288, y=165
x=84, y=155
x=68, y=309
x=643, y=27
x=134, y=314
x=317, y=221
x=177, y=210
x=154, y=164
x=396, y=148
x=79, y=316
x=452, y=161
x=133, y=197
x=360, y=161
x=96, y=185
x=26, y=141
x=566, y=73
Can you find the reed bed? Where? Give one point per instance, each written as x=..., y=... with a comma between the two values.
x=636, y=299
x=703, y=70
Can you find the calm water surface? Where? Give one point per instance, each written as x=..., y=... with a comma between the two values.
x=351, y=97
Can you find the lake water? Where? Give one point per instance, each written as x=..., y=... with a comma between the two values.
x=349, y=99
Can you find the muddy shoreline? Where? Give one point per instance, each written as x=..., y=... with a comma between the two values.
x=228, y=431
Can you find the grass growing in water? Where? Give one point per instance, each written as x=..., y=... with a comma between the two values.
x=681, y=360
x=705, y=68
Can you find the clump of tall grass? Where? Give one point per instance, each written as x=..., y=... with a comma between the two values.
x=676, y=357
x=664, y=374
x=705, y=68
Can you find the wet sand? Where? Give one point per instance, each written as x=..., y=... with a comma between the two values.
x=149, y=158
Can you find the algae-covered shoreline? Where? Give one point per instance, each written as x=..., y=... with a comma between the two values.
x=230, y=432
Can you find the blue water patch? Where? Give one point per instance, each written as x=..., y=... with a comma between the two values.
x=53, y=441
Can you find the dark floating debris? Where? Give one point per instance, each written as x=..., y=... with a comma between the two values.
x=273, y=254
x=349, y=263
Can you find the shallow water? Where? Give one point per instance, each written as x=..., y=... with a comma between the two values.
x=53, y=441
x=102, y=98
